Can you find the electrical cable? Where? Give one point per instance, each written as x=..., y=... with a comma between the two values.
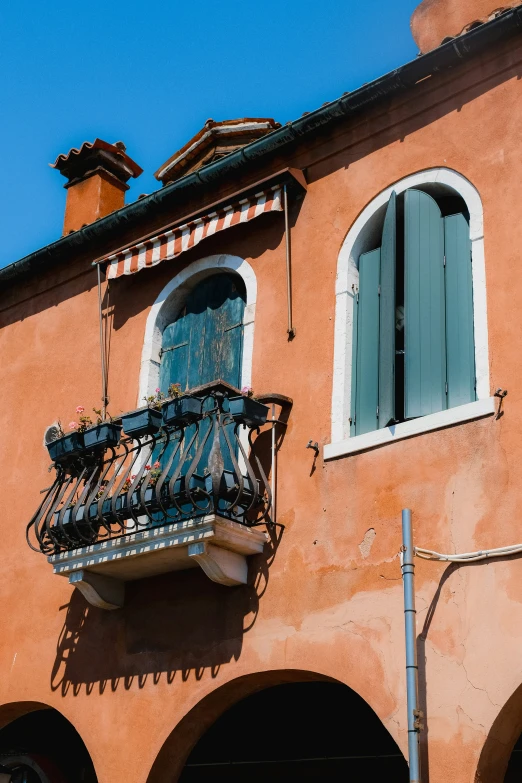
x=469, y=557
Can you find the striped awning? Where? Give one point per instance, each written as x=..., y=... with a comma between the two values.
x=170, y=244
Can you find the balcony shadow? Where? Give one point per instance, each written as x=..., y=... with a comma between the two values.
x=178, y=624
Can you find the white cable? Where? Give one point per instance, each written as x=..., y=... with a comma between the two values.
x=467, y=557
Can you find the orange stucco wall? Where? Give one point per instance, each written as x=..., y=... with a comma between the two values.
x=126, y=679
x=434, y=20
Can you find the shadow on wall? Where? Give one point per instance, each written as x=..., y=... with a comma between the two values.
x=176, y=625
x=499, y=754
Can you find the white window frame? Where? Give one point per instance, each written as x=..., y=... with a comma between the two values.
x=356, y=242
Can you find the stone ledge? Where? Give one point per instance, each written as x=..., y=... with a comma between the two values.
x=218, y=545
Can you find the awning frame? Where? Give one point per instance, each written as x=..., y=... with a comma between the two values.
x=285, y=177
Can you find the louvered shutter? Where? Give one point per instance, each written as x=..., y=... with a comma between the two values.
x=387, y=315
x=460, y=346
x=175, y=353
x=367, y=349
x=424, y=319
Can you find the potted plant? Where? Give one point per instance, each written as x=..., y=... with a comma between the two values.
x=78, y=531
x=180, y=409
x=100, y=435
x=65, y=447
x=247, y=410
x=229, y=488
x=144, y=421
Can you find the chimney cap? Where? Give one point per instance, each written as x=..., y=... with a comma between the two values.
x=77, y=164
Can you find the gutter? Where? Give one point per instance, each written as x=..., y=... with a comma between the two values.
x=448, y=55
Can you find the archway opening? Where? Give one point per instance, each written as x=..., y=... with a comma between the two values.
x=514, y=769
x=43, y=747
x=301, y=730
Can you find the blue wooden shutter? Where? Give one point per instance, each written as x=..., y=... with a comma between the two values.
x=424, y=317
x=459, y=312
x=223, y=331
x=174, y=367
x=387, y=315
x=205, y=342
x=367, y=349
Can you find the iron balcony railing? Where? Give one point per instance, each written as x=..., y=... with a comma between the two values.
x=201, y=459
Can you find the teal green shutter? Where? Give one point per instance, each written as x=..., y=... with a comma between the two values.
x=424, y=317
x=387, y=315
x=459, y=312
x=367, y=383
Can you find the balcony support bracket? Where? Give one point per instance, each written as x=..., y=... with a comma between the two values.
x=105, y=592
x=220, y=565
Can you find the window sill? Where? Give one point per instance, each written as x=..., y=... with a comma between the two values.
x=407, y=429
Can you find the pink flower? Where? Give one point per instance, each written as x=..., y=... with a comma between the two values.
x=73, y=425
x=246, y=390
x=157, y=465
x=132, y=477
x=147, y=467
x=80, y=409
x=158, y=391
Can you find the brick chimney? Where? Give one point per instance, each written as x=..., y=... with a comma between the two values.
x=434, y=21
x=97, y=177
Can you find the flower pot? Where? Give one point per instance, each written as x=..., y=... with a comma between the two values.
x=79, y=533
x=248, y=411
x=229, y=488
x=66, y=448
x=183, y=410
x=101, y=436
x=145, y=421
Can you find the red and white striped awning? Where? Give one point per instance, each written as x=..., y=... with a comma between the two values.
x=172, y=243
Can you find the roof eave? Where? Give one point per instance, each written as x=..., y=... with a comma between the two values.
x=448, y=55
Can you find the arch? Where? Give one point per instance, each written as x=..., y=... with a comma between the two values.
x=169, y=302
x=182, y=740
x=502, y=737
x=44, y=743
x=361, y=237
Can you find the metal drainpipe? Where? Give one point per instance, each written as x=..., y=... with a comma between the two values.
x=408, y=578
x=288, y=246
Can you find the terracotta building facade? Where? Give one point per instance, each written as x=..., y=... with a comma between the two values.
x=303, y=331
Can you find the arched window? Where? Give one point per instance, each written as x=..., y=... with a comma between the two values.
x=176, y=300
x=413, y=345
x=205, y=341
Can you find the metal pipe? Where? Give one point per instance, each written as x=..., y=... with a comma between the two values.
x=291, y=329
x=408, y=578
x=102, y=348
x=274, y=464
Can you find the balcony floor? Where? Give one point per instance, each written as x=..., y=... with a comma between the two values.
x=218, y=545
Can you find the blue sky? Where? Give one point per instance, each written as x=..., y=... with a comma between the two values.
x=151, y=73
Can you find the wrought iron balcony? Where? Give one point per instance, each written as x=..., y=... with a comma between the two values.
x=187, y=475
